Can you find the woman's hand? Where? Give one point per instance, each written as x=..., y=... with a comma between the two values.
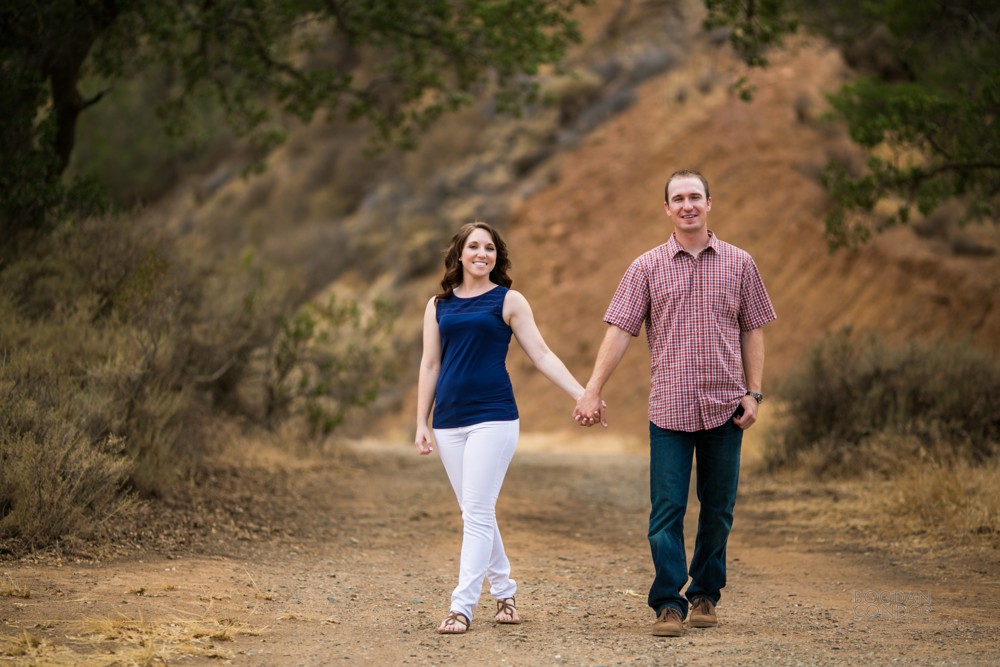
x=423, y=441
x=590, y=410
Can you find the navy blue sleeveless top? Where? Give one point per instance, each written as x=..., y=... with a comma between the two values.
x=473, y=385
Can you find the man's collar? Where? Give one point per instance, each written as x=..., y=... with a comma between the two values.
x=674, y=246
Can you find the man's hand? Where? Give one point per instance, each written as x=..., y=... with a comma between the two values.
x=749, y=416
x=590, y=409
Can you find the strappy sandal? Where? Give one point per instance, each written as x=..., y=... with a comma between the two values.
x=454, y=624
x=506, y=613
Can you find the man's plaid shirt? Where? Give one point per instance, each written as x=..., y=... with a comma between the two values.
x=694, y=310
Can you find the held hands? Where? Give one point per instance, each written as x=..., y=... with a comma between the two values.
x=590, y=410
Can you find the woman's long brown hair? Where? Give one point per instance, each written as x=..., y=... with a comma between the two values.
x=453, y=267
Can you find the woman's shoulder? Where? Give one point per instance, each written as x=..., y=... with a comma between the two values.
x=512, y=295
x=514, y=302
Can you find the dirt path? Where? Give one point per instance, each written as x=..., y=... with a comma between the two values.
x=351, y=561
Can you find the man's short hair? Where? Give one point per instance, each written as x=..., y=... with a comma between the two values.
x=683, y=173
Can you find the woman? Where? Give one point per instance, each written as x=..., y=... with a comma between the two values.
x=467, y=331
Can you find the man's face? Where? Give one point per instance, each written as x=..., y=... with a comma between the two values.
x=687, y=204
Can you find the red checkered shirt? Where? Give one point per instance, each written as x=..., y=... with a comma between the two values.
x=694, y=310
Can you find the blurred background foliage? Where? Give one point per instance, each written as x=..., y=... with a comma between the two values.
x=117, y=351
x=139, y=161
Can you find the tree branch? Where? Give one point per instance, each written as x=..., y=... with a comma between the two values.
x=62, y=67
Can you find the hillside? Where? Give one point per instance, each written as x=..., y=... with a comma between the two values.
x=576, y=186
x=573, y=240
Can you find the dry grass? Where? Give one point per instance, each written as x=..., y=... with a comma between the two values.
x=896, y=496
x=950, y=501
x=925, y=503
x=124, y=640
x=899, y=527
x=11, y=589
x=257, y=592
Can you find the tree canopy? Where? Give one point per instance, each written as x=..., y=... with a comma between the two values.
x=924, y=106
x=262, y=58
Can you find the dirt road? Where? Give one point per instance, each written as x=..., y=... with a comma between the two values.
x=351, y=561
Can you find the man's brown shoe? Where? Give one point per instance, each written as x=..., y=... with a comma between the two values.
x=668, y=623
x=702, y=614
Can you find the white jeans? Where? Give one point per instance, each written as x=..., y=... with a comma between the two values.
x=476, y=460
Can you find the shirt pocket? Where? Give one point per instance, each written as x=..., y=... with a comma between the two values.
x=724, y=295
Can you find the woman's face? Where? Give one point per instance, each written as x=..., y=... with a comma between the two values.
x=479, y=254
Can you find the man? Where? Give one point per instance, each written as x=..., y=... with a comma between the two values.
x=703, y=303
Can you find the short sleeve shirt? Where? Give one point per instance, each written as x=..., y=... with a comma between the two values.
x=694, y=310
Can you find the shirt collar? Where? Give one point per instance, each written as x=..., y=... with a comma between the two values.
x=674, y=246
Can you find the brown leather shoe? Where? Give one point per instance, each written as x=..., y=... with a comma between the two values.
x=669, y=623
x=702, y=614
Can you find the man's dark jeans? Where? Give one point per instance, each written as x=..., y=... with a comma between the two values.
x=717, y=455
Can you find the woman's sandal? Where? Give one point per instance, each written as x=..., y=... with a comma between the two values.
x=454, y=624
x=506, y=612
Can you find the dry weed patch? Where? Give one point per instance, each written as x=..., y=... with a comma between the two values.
x=948, y=500
x=124, y=640
x=257, y=592
x=925, y=499
x=10, y=589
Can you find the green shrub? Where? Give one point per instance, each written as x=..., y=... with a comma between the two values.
x=857, y=404
x=327, y=359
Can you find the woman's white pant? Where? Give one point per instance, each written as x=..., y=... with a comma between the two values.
x=476, y=459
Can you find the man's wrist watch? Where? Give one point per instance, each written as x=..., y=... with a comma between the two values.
x=757, y=396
